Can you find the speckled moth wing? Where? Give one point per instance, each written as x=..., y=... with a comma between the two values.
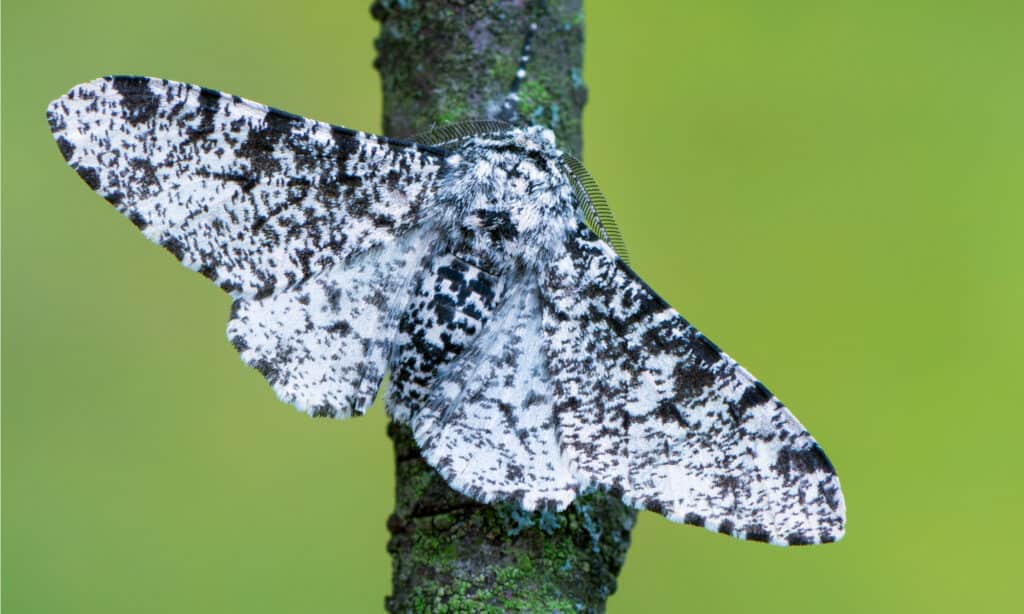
x=488, y=426
x=449, y=302
x=252, y=197
x=324, y=344
x=314, y=229
x=647, y=408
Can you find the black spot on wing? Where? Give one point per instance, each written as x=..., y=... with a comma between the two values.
x=143, y=176
x=208, y=272
x=175, y=246
x=345, y=146
x=260, y=147
x=323, y=411
x=137, y=219
x=483, y=287
x=668, y=412
x=514, y=473
x=55, y=120
x=754, y=395
x=454, y=272
x=809, y=460
x=278, y=116
x=727, y=527
x=267, y=288
x=245, y=181
x=757, y=533
x=444, y=309
x=90, y=176
x=694, y=519
x=830, y=492
x=340, y=327
x=67, y=149
x=334, y=298
x=305, y=257
x=798, y=539
x=209, y=105
x=498, y=225
x=706, y=351
x=209, y=98
x=140, y=102
x=689, y=380
x=267, y=369
x=655, y=506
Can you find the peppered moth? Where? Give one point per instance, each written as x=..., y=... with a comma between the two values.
x=530, y=361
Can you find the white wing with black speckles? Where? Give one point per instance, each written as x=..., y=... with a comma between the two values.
x=314, y=229
x=252, y=197
x=488, y=427
x=324, y=345
x=647, y=408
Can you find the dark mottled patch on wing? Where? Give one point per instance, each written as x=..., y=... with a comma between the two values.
x=756, y=533
x=66, y=148
x=90, y=176
x=140, y=102
x=809, y=460
x=694, y=519
x=450, y=304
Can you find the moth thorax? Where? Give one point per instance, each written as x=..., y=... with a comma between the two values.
x=506, y=196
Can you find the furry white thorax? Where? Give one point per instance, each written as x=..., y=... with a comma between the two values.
x=505, y=198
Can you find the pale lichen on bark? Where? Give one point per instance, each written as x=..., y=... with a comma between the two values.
x=448, y=60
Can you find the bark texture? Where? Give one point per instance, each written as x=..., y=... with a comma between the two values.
x=442, y=61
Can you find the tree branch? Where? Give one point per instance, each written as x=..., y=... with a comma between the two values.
x=442, y=61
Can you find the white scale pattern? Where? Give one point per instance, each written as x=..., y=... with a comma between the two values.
x=530, y=361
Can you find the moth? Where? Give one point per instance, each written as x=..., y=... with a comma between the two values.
x=475, y=266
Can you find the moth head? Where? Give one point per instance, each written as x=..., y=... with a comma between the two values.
x=535, y=138
x=515, y=186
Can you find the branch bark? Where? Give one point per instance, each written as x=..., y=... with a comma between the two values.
x=442, y=61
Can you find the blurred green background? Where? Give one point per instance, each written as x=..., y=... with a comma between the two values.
x=832, y=191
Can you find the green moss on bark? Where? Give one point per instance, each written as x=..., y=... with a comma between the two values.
x=440, y=62
x=452, y=554
x=444, y=61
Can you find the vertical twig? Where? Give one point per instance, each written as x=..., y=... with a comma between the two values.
x=442, y=61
